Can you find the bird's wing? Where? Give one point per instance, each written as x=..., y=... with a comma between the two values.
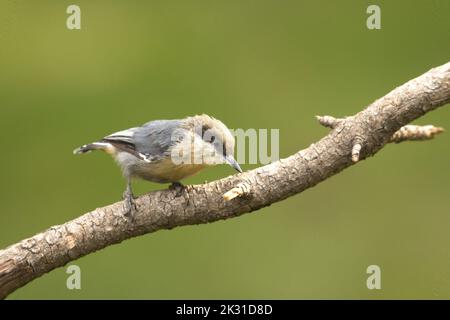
x=155, y=138
x=149, y=142
x=122, y=136
x=123, y=141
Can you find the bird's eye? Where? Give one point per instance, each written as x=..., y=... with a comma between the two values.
x=212, y=139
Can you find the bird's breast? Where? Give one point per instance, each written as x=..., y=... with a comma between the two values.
x=164, y=171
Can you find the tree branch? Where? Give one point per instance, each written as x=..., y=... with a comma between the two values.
x=412, y=132
x=351, y=139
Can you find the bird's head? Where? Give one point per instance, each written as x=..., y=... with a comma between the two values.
x=209, y=140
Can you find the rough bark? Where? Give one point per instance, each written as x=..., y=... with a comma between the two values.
x=351, y=139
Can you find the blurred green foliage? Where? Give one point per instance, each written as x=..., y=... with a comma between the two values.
x=252, y=64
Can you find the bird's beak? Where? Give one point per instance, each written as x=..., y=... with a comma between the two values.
x=230, y=160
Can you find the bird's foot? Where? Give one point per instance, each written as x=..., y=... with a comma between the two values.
x=129, y=205
x=177, y=187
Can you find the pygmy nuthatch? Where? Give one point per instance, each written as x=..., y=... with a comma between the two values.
x=167, y=150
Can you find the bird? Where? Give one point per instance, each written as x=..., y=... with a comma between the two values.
x=167, y=151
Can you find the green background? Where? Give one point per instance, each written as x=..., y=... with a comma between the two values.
x=252, y=64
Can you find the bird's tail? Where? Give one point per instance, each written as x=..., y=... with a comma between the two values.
x=92, y=146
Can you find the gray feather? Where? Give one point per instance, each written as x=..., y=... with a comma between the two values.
x=124, y=135
x=149, y=142
x=155, y=137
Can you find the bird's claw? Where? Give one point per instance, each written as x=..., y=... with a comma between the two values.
x=129, y=205
x=177, y=187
